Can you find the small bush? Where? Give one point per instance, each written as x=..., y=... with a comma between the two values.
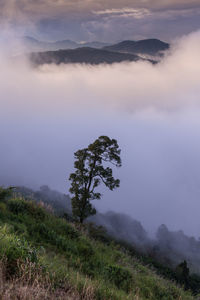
x=98, y=233
x=121, y=277
x=21, y=206
x=36, y=211
x=85, y=249
x=2, y=208
x=19, y=228
x=17, y=206
x=5, y=193
x=71, y=232
x=92, y=266
x=14, y=249
x=42, y=232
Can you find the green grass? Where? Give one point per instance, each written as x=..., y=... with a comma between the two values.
x=94, y=268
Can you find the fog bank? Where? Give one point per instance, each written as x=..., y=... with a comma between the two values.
x=153, y=111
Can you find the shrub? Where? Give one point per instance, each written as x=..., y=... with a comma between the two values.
x=36, y=211
x=42, y=232
x=85, y=249
x=98, y=233
x=21, y=206
x=2, y=208
x=92, y=266
x=17, y=206
x=19, y=228
x=5, y=193
x=14, y=249
x=72, y=232
x=120, y=276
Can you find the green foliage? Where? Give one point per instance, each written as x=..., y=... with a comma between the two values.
x=15, y=249
x=41, y=233
x=85, y=249
x=18, y=206
x=194, y=284
x=2, y=208
x=72, y=232
x=5, y=193
x=98, y=233
x=21, y=206
x=95, y=269
x=120, y=276
x=182, y=273
x=90, y=172
x=20, y=228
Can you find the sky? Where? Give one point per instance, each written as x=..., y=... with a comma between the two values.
x=102, y=20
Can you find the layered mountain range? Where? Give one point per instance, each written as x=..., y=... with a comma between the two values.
x=32, y=44
x=68, y=51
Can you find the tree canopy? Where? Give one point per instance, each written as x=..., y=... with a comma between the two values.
x=90, y=171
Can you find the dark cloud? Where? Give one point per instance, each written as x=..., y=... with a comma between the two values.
x=100, y=19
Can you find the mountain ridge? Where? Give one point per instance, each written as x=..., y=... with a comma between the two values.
x=84, y=55
x=152, y=47
x=32, y=44
x=145, y=46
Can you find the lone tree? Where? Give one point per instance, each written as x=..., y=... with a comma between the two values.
x=90, y=172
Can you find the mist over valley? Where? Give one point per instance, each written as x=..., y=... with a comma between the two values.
x=49, y=112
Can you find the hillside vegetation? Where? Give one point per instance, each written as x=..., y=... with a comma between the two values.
x=84, y=55
x=46, y=257
x=152, y=47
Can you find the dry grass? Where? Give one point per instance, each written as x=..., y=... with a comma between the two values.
x=32, y=284
x=46, y=207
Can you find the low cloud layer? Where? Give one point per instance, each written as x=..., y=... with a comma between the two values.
x=153, y=111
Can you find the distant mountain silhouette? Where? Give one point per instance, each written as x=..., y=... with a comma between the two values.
x=147, y=49
x=32, y=44
x=81, y=55
x=94, y=44
x=151, y=47
x=68, y=51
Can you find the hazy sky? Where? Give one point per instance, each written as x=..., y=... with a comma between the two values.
x=104, y=20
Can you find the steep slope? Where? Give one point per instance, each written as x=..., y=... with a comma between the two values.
x=46, y=257
x=171, y=246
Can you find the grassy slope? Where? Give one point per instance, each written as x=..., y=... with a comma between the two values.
x=45, y=257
